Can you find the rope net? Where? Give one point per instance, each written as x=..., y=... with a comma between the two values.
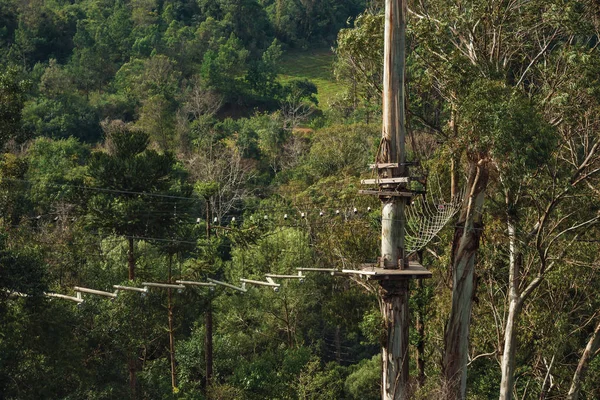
x=426, y=217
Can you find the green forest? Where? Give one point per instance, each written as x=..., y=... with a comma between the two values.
x=147, y=145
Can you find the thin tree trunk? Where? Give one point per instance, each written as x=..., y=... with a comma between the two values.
x=514, y=309
x=420, y=337
x=131, y=259
x=453, y=177
x=507, y=382
x=338, y=344
x=454, y=158
x=394, y=352
x=464, y=250
x=171, y=333
x=584, y=362
x=208, y=322
x=131, y=364
x=208, y=345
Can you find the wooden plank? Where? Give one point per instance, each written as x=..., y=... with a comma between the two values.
x=194, y=283
x=377, y=181
x=46, y=294
x=374, y=272
x=62, y=296
x=130, y=288
x=94, y=291
x=330, y=271
x=387, y=193
x=392, y=165
x=163, y=285
x=285, y=276
x=12, y=295
x=227, y=285
x=272, y=284
x=383, y=165
x=317, y=269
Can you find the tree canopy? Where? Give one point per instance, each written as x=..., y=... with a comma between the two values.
x=149, y=141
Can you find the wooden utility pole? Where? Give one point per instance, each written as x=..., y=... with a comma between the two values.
x=131, y=258
x=171, y=330
x=394, y=352
x=208, y=321
x=393, y=269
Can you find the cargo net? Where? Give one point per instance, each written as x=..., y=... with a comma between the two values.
x=426, y=217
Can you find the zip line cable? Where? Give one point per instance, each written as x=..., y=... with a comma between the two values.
x=291, y=204
x=99, y=189
x=424, y=219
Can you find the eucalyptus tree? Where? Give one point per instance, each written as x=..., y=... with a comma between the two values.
x=560, y=199
x=460, y=44
x=522, y=143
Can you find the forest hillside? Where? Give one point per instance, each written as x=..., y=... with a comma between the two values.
x=148, y=145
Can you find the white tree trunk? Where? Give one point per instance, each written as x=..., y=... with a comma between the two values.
x=514, y=309
x=457, y=330
x=584, y=361
x=508, y=356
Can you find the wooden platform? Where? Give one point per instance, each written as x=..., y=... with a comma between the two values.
x=374, y=272
x=387, y=193
x=383, y=181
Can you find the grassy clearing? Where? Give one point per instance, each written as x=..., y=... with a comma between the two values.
x=316, y=66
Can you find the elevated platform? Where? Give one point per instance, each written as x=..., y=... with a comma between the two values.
x=390, y=193
x=375, y=272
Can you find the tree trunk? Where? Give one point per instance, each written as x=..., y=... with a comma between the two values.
x=584, y=361
x=507, y=382
x=464, y=250
x=208, y=322
x=338, y=344
x=394, y=352
x=131, y=364
x=514, y=309
x=454, y=159
x=131, y=259
x=420, y=323
x=453, y=177
x=208, y=346
x=171, y=333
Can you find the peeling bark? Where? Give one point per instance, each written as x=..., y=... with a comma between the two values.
x=394, y=351
x=464, y=250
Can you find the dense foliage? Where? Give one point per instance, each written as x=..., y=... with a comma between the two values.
x=155, y=141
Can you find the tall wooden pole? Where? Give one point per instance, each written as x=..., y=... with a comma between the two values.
x=208, y=322
x=394, y=292
x=131, y=258
x=171, y=330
